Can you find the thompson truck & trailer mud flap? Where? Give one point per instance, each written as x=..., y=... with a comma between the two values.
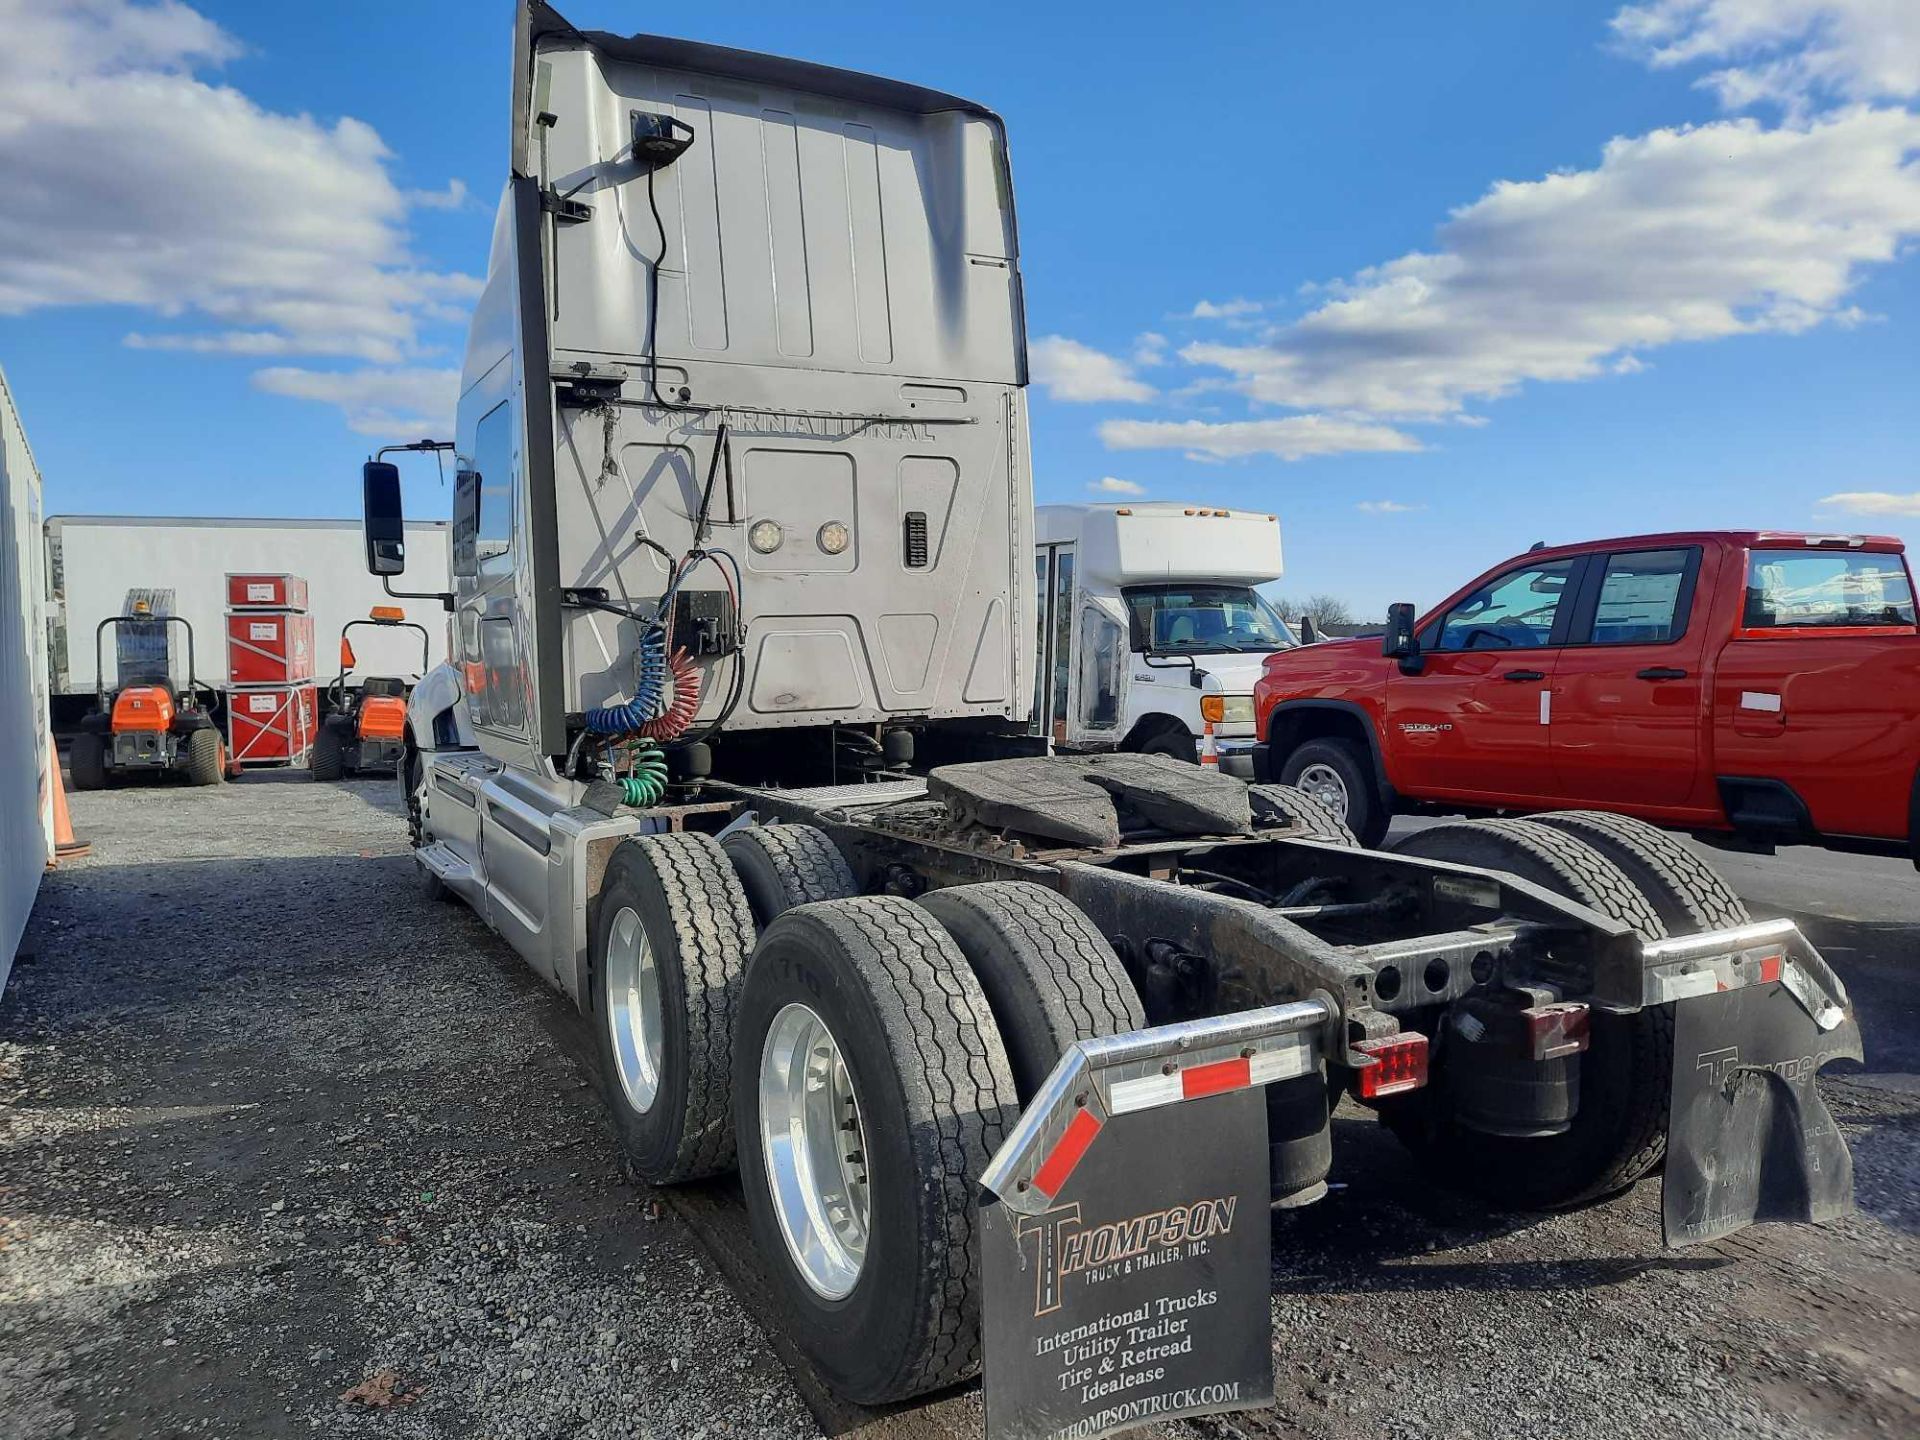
x=1125, y=1244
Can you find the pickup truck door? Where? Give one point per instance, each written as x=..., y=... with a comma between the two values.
x=1628, y=696
x=1817, y=690
x=1472, y=722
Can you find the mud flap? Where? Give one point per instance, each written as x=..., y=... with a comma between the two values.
x=1748, y=1135
x=1142, y=1290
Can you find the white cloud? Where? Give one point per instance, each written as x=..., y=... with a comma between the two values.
x=131, y=180
x=397, y=404
x=1789, y=52
x=1386, y=507
x=1149, y=349
x=1079, y=373
x=1685, y=234
x=1235, y=309
x=1874, y=502
x=1293, y=438
x=1113, y=485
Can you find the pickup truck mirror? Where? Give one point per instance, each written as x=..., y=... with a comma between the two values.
x=385, y=525
x=1399, y=642
x=1309, y=632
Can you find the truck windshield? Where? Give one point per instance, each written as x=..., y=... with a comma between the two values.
x=1204, y=618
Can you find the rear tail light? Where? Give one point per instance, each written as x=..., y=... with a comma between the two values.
x=1399, y=1063
x=1554, y=1031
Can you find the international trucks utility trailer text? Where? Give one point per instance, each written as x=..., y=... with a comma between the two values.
x=1150, y=630
x=1015, y=1052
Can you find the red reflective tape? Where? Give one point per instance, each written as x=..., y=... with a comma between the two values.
x=1235, y=1074
x=1066, y=1154
x=1770, y=968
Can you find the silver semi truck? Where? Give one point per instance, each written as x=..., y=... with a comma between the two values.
x=1011, y=1050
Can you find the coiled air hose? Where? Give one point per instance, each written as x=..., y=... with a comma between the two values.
x=649, y=691
x=648, y=782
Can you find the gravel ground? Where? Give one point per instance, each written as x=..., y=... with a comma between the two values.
x=288, y=1149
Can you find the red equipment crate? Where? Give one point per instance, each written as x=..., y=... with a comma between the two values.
x=268, y=647
x=266, y=592
x=271, y=724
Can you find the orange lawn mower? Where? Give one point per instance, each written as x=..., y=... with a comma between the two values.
x=148, y=726
x=365, y=732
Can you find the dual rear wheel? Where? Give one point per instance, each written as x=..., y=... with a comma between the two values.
x=859, y=1057
x=1629, y=871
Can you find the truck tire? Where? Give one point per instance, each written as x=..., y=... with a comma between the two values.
x=1049, y=976
x=781, y=866
x=1688, y=893
x=1549, y=858
x=87, y=759
x=1172, y=740
x=671, y=936
x=1339, y=774
x=327, y=761
x=1619, y=1133
x=206, y=757
x=896, y=1034
x=1315, y=820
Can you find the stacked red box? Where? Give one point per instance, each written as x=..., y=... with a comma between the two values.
x=271, y=703
x=268, y=647
x=271, y=724
x=266, y=592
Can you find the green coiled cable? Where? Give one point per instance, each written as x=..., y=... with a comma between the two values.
x=648, y=782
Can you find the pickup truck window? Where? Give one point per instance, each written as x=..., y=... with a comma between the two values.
x=1826, y=589
x=1197, y=619
x=1640, y=598
x=1515, y=611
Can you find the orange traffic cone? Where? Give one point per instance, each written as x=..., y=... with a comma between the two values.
x=1209, y=752
x=65, y=847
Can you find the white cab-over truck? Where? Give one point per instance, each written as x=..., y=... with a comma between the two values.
x=1150, y=628
x=1012, y=1050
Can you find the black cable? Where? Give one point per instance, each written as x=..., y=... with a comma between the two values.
x=653, y=296
x=720, y=446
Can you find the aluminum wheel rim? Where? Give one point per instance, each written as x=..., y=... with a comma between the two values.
x=814, y=1145
x=1324, y=784
x=633, y=1010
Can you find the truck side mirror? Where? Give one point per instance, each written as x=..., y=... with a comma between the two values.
x=385, y=525
x=1309, y=632
x=1399, y=642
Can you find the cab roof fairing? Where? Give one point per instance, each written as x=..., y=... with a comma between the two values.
x=539, y=27
x=542, y=27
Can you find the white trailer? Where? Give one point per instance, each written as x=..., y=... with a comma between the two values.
x=27, y=761
x=1150, y=625
x=93, y=560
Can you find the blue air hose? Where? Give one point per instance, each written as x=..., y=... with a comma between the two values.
x=649, y=691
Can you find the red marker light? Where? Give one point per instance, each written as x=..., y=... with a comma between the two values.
x=1399, y=1063
x=1557, y=1030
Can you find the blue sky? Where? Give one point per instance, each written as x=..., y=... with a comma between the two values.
x=1430, y=282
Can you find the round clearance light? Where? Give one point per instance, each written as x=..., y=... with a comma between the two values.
x=765, y=537
x=833, y=537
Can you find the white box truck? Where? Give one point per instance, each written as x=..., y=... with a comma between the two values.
x=93, y=561
x=1150, y=626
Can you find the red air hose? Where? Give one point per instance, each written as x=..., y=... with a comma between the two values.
x=677, y=718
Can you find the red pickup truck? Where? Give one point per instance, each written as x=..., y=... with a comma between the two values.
x=1757, y=686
